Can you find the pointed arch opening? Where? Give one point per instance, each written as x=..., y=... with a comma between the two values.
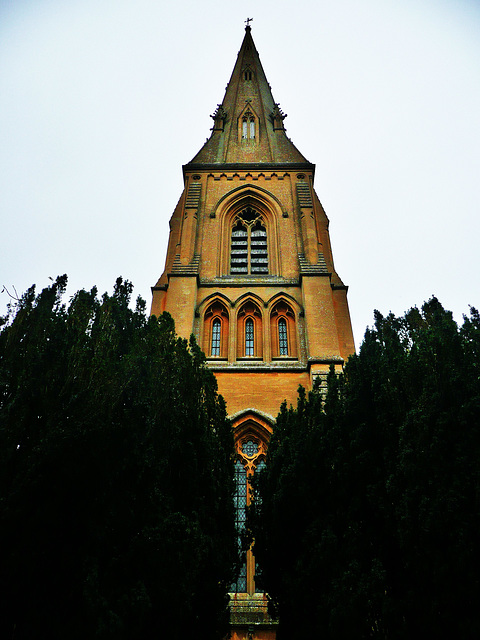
x=251, y=443
x=247, y=74
x=283, y=331
x=249, y=243
x=248, y=125
x=249, y=331
x=215, y=331
x=248, y=121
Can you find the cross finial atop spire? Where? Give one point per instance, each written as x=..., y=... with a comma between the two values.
x=248, y=20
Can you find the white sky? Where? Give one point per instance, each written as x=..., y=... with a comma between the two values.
x=102, y=101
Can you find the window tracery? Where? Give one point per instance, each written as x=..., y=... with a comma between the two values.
x=248, y=126
x=249, y=247
x=251, y=452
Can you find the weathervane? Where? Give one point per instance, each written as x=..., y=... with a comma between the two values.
x=248, y=20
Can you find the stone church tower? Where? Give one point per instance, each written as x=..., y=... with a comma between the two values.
x=249, y=271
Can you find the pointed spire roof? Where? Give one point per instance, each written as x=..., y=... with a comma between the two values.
x=248, y=97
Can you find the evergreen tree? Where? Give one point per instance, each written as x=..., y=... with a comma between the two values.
x=369, y=515
x=116, y=474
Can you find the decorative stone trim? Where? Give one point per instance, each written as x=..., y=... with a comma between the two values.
x=304, y=195
x=191, y=269
x=250, y=281
x=192, y=200
x=307, y=269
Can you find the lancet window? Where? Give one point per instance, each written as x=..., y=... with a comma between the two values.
x=249, y=331
x=283, y=331
x=248, y=126
x=282, y=337
x=249, y=337
x=216, y=335
x=249, y=247
x=251, y=452
x=215, y=339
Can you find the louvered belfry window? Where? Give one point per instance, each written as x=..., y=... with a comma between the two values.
x=249, y=247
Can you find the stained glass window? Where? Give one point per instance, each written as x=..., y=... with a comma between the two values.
x=250, y=448
x=282, y=337
x=240, y=503
x=216, y=332
x=250, y=460
x=260, y=466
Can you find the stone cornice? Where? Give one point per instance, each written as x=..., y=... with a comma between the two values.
x=219, y=167
x=239, y=281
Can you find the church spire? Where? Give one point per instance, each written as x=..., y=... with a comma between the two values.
x=248, y=124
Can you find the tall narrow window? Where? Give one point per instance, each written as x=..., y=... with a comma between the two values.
x=240, y=504
x=283, y=331
x=248, y=126
x=249, y=246
x=251, y=451
x=239, y=252
x=249, y=338
x=283, y=337
x=216, y=333
x=249, y=331
x=258, y=249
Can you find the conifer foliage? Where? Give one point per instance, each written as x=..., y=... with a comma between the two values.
x=116, y=474
x=369, y=519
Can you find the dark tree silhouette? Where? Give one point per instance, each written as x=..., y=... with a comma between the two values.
x=116, y=474
x=369, y=518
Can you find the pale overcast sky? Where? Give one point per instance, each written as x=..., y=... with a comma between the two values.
x=102, y=101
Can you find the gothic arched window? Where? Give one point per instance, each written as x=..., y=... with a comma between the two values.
x=240, y=504
x=283, y=331
x=283, y=337
x=216, y=334
x=215, y=331
x=249, y=337
x=251, y=452
x=249, y=246
x=249, y=331
x=248, y=126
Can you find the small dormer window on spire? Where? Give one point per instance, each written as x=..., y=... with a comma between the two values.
x=248, y=126
x=247, y=75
